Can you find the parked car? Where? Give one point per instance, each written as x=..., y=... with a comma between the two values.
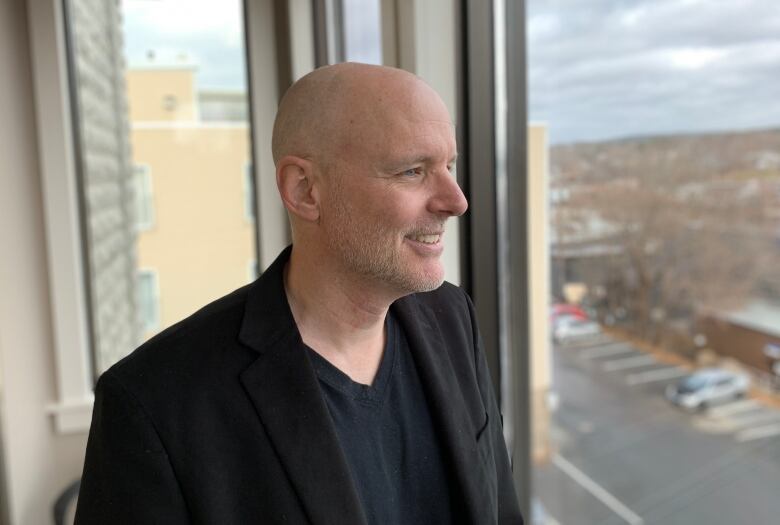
x=564, y=310
x=567, y=328
x=707, y=387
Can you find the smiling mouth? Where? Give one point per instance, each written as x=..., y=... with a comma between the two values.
x=432, y=238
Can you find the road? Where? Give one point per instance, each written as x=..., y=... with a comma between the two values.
x=625, y=455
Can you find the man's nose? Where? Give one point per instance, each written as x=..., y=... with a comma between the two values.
x=448, y=198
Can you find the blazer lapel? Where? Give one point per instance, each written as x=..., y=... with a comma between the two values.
x=446, y=402
x=284, y=390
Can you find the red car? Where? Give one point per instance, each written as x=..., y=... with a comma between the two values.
x=568, y=310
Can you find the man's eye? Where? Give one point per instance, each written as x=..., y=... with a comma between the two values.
x=411, y=172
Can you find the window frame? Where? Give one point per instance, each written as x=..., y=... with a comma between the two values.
x=495, y=237
x=71, y=407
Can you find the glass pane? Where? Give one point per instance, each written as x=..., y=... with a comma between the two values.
x=148, y=300
x=163, y=140
x=664, y=190
x=362, y=31
x=144, y=204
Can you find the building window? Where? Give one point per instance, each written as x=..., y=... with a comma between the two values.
x=148, y=300
x=253, y=270
x=249, y=193
x=144, y=200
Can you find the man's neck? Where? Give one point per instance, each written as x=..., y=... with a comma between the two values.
x=338, y=318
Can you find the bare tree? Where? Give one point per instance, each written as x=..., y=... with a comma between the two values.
x=688, y=232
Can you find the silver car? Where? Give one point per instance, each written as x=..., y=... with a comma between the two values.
x=568, y=328
x=707, y=387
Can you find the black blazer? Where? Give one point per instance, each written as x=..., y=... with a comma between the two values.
x=219, y=419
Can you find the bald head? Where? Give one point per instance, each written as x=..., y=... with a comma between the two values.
x=326, y=108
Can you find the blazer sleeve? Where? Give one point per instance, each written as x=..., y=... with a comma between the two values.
x=508, y=507
x=127, y=478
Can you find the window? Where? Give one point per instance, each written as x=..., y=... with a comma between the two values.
x=144, y=203
x=252, y=270
x=660, y=153
x=140, y=73
x=249, y=192
x=87, y=152
x=149, y=300
x=362, y=31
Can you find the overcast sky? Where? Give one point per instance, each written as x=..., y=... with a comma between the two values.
x=610, y=68
x=598, y=69
x=208, y=32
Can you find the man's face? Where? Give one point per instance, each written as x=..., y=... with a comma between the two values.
x=390, y=192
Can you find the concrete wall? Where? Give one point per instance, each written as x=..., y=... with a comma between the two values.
x=38, y=463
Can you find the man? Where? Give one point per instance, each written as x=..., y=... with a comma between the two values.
x=347, y=384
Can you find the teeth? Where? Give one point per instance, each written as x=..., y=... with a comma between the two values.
x=427, y=239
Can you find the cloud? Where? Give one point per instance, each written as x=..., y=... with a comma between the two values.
x=208, y=33
x=609, y=68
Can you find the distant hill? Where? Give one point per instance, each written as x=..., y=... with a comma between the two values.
x=688, y=158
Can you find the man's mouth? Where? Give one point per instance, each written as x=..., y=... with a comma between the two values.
x=431, y=238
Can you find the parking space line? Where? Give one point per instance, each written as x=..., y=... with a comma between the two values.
x=590, y=343
x=605, y=351
x=597, y=491
x=628, y=363
x=660, y=374
x=734, y=408
x=765, y=416
x=758, y=433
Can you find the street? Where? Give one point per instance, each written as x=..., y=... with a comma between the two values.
x=624, y=454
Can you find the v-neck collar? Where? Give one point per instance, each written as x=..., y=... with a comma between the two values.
x=283, y=387
x=372, y=394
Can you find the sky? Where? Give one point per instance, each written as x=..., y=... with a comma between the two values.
x=598, y=69
x=207, y=33
x=601, y=69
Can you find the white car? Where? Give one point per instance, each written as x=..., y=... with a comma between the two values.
x=707, y=387
x=573, y=328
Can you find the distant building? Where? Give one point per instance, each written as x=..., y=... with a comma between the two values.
x=539, y=290
x=194, y=192
x=746, y=333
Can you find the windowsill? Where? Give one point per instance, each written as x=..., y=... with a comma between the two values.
x=72, y=417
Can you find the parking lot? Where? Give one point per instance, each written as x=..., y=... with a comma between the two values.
x=624, y=454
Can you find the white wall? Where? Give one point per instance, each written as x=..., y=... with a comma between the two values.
x=38, y=462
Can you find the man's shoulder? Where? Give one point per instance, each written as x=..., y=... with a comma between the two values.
x=201, y=336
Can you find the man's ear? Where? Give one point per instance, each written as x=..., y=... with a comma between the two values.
x=295, y=179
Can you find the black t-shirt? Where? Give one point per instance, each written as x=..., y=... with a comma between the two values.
x=388, y=438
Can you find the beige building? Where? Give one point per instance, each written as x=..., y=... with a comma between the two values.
x=539, y=290
x=194, y=206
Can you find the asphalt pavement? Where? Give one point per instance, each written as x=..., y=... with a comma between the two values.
x=624, y=454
